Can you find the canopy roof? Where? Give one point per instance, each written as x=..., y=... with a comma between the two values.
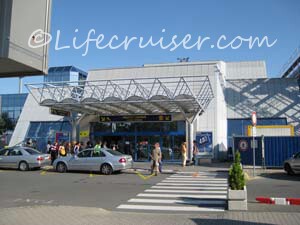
x=189, y=95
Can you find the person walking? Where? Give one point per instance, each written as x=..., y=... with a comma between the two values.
x=183, y=153
x=195, y=152
x=156, y=158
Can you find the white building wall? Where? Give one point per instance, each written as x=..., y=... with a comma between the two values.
x=270, y=98
x=246, y=70
x=31, y=112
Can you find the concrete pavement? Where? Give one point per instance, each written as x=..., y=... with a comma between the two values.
x=67, y=215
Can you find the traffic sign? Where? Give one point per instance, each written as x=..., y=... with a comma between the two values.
x=254, y=119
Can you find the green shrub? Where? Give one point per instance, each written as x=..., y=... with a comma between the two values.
x=236, y=174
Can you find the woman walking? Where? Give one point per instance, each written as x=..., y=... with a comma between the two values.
x=183, y=153
x=156, y=158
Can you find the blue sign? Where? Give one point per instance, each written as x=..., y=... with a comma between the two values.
x=204, y=141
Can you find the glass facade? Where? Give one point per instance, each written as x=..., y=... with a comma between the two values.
x=238, y=127
x=64, y=73
x=12, y=104
x=42, y=132
x=138, y=138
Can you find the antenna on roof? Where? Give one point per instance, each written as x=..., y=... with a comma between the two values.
x=184, y=59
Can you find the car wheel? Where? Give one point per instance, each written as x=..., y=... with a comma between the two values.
x=106, y=169
x=23, y=166
x=288, y=169
x=61, y=167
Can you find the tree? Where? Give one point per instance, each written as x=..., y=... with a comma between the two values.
x=236, y=174
x=5, y=123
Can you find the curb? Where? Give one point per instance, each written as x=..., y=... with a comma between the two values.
x=278, y=201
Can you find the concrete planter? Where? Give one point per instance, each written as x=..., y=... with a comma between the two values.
x=237, y=199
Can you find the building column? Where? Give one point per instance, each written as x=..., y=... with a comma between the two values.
x=75, y=121
x=74, y=131
x=189, y=139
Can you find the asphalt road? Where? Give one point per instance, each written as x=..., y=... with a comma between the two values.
x=71, y=189
x=277, y=184
x=85, y=190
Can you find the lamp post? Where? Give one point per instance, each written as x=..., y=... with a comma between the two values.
x=254, y=122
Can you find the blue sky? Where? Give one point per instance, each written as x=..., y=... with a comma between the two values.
x=277, y=19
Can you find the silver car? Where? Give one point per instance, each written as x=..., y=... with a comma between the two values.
x=292, y=165
x=23, y=158
x=106, y=161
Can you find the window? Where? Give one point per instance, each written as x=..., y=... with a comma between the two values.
x=32, y=151
x=85, y=154
x=4, y=152
x=15, y=152
x=98, y=154
x=297, y=155
x=113, y=152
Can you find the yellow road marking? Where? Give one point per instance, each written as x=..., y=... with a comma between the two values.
x=195, y=175
x=91, y=175
x=144, y=177
x=43, y=172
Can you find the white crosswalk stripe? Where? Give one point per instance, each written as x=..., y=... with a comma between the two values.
x=189, y=188
x=183, y=192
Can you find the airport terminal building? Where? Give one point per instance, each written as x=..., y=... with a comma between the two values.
x=168, y=103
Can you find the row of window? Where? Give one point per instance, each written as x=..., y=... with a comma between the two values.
x=175, y=126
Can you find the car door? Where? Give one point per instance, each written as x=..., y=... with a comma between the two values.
x=79, y=162
x=4, y=157
x=14, y=157
x=94, y=162
x=296, y=162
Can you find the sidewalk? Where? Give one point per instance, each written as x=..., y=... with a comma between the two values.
x=64, y=215
x=176, y=167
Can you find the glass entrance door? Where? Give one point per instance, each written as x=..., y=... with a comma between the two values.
x=145, y=145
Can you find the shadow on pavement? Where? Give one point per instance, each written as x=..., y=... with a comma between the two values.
x=224, y=222
x=281, y=176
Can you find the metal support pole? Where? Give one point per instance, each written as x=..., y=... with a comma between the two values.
x=189, y=141
x=20, y=85
x=253, y=146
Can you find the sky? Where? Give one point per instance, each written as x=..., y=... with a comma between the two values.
x=276, y=19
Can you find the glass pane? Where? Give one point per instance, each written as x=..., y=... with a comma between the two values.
x=142, y=149
x=177, y=147
x=166, y=148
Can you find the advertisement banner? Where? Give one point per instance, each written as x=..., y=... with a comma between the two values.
x=204, y=141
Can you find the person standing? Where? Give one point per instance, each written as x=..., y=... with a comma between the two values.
x=97, y=147
x=48, y=147
x=53, y=152
x=195, y=152
x=76, y=148
x=62, y=150
x=183, y=153
x=156, y=158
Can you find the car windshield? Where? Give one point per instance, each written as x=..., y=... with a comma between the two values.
x=32, y=151
x=113, y=152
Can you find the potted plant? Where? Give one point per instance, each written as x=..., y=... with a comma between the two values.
x=237, y=191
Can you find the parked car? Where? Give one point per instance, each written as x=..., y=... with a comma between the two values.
x=292, y=165
x=106, y=161
x=23, y=158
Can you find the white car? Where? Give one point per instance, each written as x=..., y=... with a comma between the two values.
x=292, y=165
x=106, y=161
x=23, y=158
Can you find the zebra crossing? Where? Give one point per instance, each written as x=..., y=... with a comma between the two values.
x=183, y=192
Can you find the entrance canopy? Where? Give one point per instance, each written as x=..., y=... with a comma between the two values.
x=189, y=95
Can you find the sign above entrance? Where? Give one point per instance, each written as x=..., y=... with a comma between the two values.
x=60, y=112
x=136, y=118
